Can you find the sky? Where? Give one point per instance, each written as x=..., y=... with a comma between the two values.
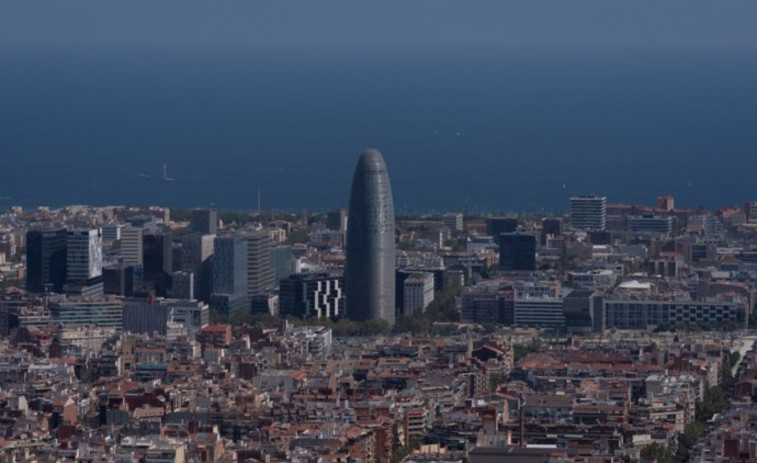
x=387, y=25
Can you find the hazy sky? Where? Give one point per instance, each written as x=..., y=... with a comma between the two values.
x=386, y=24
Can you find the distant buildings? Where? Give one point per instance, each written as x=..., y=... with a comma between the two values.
x=517, y=251
x=418, y=292
x=229, y=273
x=204, y=221
x=260, y=277
x=588, y=212
x=131, y=245
x=46, y=260
x=453, y=221
x=652, y=224
x=311, y=295
x=495, y=226
x=84, y=262
x=369, y=270
x=195, y=257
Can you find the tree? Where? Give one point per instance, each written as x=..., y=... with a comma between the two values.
x=656, y=452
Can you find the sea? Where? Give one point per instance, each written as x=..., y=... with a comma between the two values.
x=485, y=131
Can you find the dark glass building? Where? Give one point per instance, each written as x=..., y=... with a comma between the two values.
x=495, y=226
x=157, y=255
x=46, y=260
x=517, y=251
x=369, y=271
x=204, y=221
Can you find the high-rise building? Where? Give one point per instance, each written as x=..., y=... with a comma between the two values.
x=84, y=262
x=337, y=220
x=517, y=251
x=196, y=257
x=131, y=245
x=45, y=260
x=418, y=292
x=311, y=295
x=369, y=270
x=182, y=285
x=260, y=276
x=282, y=262
x=204, y=221
x=230, y=265
x=588, y=212
x=550, y=227
x=157, y=256
x=495, y=226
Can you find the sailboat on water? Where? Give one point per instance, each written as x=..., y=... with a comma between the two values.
x=166, y=177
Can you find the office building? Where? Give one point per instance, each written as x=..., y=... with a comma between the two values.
x=453, y=221
x=517, y=251
x=84, y=262
x=550, y=228
x=488, y=303
x=495, y=226
x=662, y=225
x=643, y=313
x=229, y=273
x=142, y=315
x=588, y=212
x=282, y=263
x=369, y=270
x=311, y=295
x=260, y=277
x=131, y=245
x=336, y=220
x=111, y=232
x=418, y=292
x=182, y=285
x=119, y=279
x=100, y=313
x=45, y=260
x=157, y=256
x=583, y=311
x=204, y=221
x=543, y=310
x=196, y=257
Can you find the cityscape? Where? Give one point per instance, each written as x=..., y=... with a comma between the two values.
x=400, y=231
x=610, y=333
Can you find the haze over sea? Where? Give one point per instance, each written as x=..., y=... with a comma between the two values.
x=488, y=121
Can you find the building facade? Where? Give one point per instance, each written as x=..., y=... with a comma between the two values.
x=588, y=212
x=419, y=292
x=45, y=260
x=369, y=270
x=311, y=295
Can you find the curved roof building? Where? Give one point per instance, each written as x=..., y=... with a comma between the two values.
x=369, y=271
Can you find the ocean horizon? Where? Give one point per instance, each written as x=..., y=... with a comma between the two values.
x=482, y=130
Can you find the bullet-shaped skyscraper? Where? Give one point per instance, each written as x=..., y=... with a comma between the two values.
x=369, y=271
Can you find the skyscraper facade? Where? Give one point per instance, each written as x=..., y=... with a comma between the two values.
x=588, y=212
x=517, y=251
x=369, y=270
x=229, y=274
x=260, y=276
x=84, y=259
x=204, y=221
x=84, y=262
x=45, y=260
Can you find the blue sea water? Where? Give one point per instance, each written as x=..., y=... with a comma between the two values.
x=476, y=129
